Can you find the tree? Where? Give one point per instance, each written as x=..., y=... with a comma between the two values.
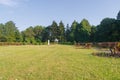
x=105, y=30
x=38, y=30
x=118, y=16
x=62, y=32
x=82, y=32
x=28, y=35
x=72, y=31
x=46, y=34
x=10, y=31
x=55, y=32
x=67, y=33
x=2, y=33
x=18, y=36
x=116, y=31
x=93, y=33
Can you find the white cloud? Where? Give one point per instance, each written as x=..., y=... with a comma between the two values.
x=11, y=2
x=8, y=2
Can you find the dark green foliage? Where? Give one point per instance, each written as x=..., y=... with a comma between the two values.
x=28, y=35
x=61, y=32
x=73, y=31
x=67, y=33
x=46, y=34
x=18, y=36
x=3, y=38
x=82, y=32
x=38, y=30
x=107, y=31
x=116, y=31
x=118, y=16
x=54, y=32
x=93, y=33
x=9, y=32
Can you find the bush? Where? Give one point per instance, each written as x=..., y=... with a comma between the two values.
x=66, y=43
x=10, y=43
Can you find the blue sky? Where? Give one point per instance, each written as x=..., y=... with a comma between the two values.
x=27, y=13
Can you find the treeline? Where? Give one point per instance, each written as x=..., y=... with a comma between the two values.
x=107, y=31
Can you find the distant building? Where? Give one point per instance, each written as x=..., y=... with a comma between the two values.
x=118, y=16
x=56, y=40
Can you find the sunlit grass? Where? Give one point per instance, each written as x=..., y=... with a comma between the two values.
x=55, y=62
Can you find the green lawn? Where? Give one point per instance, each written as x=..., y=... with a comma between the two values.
x=55, y=62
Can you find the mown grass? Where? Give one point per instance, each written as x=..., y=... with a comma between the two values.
x=55, y=62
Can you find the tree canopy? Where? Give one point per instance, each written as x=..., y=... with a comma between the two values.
x=118, y=16
x=107, y=31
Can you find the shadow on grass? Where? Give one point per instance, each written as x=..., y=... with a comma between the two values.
x=104, y=54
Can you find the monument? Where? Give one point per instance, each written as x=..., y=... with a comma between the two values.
x=48, y=42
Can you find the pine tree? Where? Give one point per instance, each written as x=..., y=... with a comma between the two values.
x=62, y=32
x=118, y=16
x=67, y=33
x=54, y=31
x=82, y=32
x=72, y=31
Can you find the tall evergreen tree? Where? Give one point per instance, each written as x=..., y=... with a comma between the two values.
x=62, y=32
x=67, y=33
x=93, y=33
x=46, y=34
x=72, y=31
x=118, y=16
x=83, y=31
x=55, y=32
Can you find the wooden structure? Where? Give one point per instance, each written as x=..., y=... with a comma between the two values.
x=114, y=47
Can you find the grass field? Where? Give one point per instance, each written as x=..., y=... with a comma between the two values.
x=55, y=62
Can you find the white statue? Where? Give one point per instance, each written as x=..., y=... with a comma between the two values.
x=48, y=42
